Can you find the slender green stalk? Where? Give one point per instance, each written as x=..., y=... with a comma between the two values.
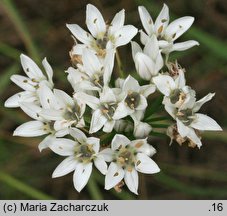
x=9, y=51
x=93, y=189
x=12, y=12
x=119, y=64
x=22, y=187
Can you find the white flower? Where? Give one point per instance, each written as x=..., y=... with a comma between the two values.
x=68, y=112
x=102, y=36
x=175, y=90
x=31, y=83
x=81, y=154
x=165, y=32
x=123, y=126
x=127, y=157
x=94, y=73
x=134, y=97
x=104, y=109
x=141, y=129
x=188, y=120
x=149, y=61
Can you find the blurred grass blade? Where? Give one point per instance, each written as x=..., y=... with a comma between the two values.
x=217, y=47
x=93, y=188
x=9, y=51
x=194, y=172
x=11, y=10
x=20, y=186
x=5, y=77
x=172, y=183
x=154, y=107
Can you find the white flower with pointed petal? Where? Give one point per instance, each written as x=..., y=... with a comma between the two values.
x=188, y=120
x=69, y=112
x=104, y=109
x=149, y=61
x=134, y=97
x=94, y=73
x=175, y=90
x=129, y=158
x=102, y=36
x=81, y=154
x=165, y=32
x=31, y=83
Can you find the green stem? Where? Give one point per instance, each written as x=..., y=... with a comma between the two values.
x=20, y=26
x=20, y=186
x=9, y=51
x=93, y=189
x=119, y=64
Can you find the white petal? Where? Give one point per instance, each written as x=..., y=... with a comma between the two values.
x=142, y=129
x=63, y=98
x=63, y=147
x=144, y=66
x=95, y=142
x=91, y=62
x=135, y=49
x=65, y=167
x=121, y=111
x=162, y=20
x=46, y=142
x=142, y=146
x=108, y=127
x=146, y=165
x=131, y=85
x=49, y=70
x=78, y=135
x=152, y=48
x=203, y=100
x=97, y=121
x=15, y=100
x=46, y=97
x=132, y=180
x=78, y=48
x=164, y=83
x=31, y=68
x=146, y=20
x=81, y=175
x=23, y=82
x=107, y=95
x=125, y=35
x=142, y=104
x=117, y=22
x=180, y=80
x=119, y=141
x=101, y=164
x=51, y=114
x=90, y=100
x=31, y=110
x=146, y=90
x=184, y=45
x=176, y=28
x=204, y=122
x=95, y=21
x=182, y=129
x=108, y=66
x=108, y=154
x=30, y=129
x=143, y=37
x=114, y=175
x=194, y=137
x=80, y=34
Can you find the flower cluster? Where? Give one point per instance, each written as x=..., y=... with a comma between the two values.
x=73, y=124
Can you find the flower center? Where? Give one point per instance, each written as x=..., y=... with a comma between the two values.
x=84, y=153
x=186, y=116
x=72, y=113
x=108, y=110
x=177, y=96
x=125, y=157
x=132, y=100
x=98, y=80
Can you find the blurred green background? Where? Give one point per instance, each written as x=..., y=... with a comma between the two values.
x=37, y=28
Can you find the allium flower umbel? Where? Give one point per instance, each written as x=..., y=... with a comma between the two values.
x=92, y=124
